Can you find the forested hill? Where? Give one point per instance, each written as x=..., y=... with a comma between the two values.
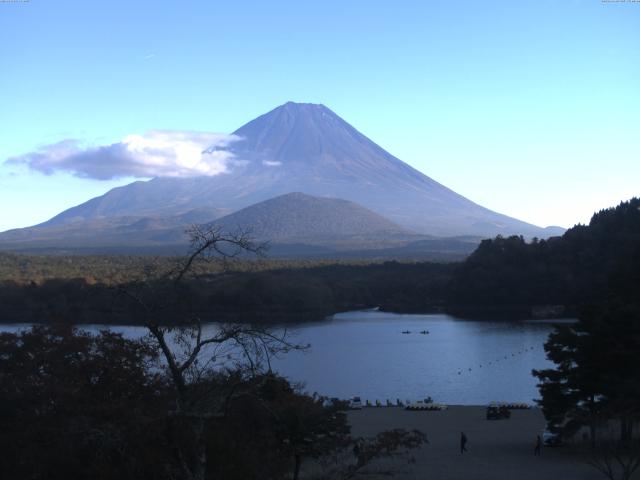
x=504, y=277
x=586, y=263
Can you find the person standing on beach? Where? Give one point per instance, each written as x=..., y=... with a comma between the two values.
x=463, y=443
x=538, y=448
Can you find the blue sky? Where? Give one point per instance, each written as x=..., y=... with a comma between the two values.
x=530, y=108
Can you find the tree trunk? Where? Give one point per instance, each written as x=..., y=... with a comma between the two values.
x=200, y=450
x=593, y=423
x=193, y=453
x=626, y=430
x=296, y=468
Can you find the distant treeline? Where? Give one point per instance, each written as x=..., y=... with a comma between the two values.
x=504, y=276
x=276, y=295
x=585, y=265
x=119, y=269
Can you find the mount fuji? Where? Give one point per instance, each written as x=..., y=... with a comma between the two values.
x=297, y=147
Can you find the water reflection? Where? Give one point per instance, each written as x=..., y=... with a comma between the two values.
x=365, y=353
x=458, y=362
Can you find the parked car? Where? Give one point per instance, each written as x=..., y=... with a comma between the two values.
x=332, y=402
x=355, y=403
x=498, y=412
x=551, y=439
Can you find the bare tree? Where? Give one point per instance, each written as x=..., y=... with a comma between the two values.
x=191, y=351
x=616, y=460
x=361, y=454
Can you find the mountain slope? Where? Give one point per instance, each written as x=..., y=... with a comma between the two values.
x=107, y=231
x=307, y=148
x=296, y=216
x=295, y=225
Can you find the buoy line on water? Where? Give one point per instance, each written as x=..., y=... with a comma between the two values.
x=459, y=372
x=506, y=356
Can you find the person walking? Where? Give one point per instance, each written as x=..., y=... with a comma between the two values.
x=538, y=448
x=463, y=443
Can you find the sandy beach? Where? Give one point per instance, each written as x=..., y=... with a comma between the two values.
x=497, y=449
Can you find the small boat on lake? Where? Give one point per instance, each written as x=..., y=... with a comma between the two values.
x=424, y=332
x=406, y=331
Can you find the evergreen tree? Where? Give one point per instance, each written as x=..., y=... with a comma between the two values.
x=597, y=374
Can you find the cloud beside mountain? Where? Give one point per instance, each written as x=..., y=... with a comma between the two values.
x=157, y=153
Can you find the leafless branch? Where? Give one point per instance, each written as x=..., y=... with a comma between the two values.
x=197, y=400
x=611, y=459
x=211, y=242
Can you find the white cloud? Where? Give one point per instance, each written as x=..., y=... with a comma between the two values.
x=271, y=163
x=157, y=153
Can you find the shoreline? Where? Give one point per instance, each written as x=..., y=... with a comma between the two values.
x=281, y=318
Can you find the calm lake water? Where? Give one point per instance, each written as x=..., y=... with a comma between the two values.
x=365, y=353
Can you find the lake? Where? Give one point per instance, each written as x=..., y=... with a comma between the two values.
x=365, y=353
